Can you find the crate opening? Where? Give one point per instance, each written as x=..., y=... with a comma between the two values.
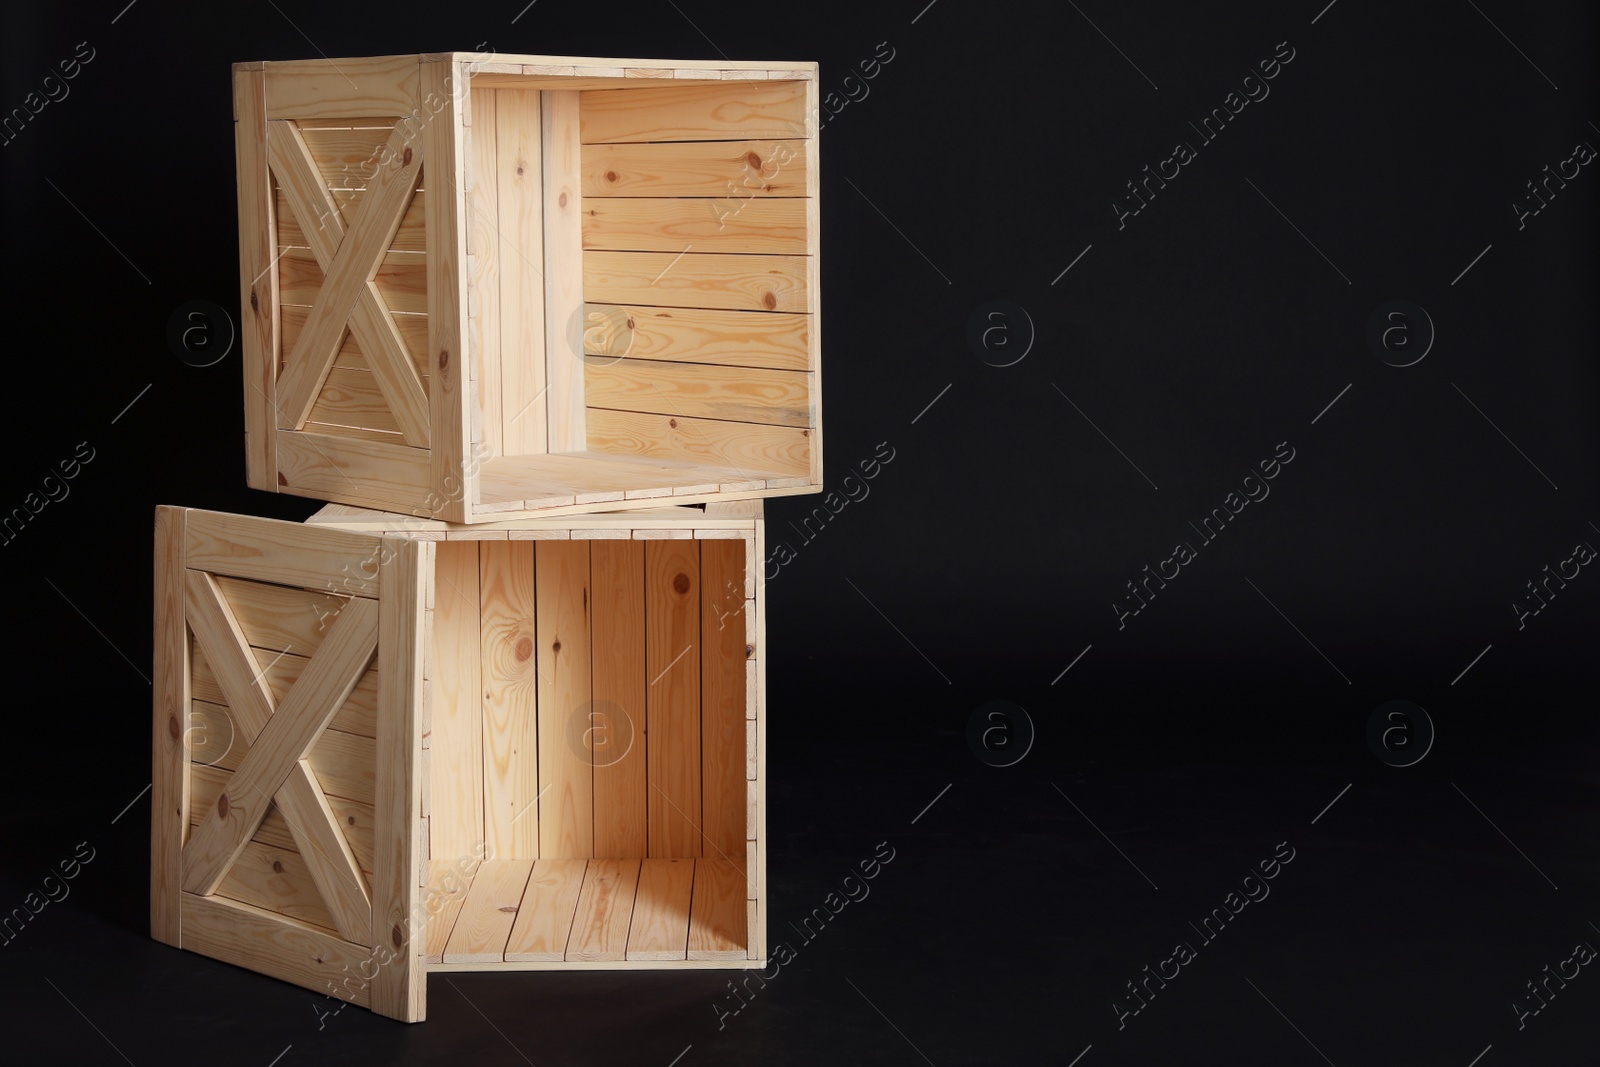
x=587, y=765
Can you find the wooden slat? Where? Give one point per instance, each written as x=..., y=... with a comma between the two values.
x=454, y=483
x=294, y=727
x=754, y=451
x=214, y=741
x=413, y=331
x=328, y=858
x=170, y=735
x=705, y=168
x=617, y=572
x=276, y=946
x=672, y=696
x=217, y=631
x=813, y=266
x=353, y=817
x=711, y=280
x=456, y=743
x=374, y=473
x=735, y=394
x=518, y=129
x=342, y=89
x=510, y=699
x=660, y=927
x=258, y=283
x=345, y=765
x=483, y=250
x=347, y=157
x=280, y=618
x=442, y=904
x=726, y=223
x=566, y=810
x=717, y=917
x=698, y=335
x=284, y=552
x=485, y=921
x=544, y=918
x=410, y=237
x=723, y=750
x=605, y=906
x=734, y=110
x=353, y=398
x=401, y=280
x=564, y=273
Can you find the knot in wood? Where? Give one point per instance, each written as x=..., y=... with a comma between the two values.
x=525, y=649
x=680, y=582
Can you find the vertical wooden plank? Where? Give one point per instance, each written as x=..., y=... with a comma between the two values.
x=510, y=695
x=660, y=927
x=485, y=921
x=756, y=843
x=605, y=907
x=618, y=720
x=520, y=179
x=483, y=246
x=258, y=280
x=566, y=780
x=718, y=914
x=814, y=271
x=455, y=747
x=722, y=712
x=672, y=696
x=398, y=927
x=455, y=471
x=169, y=790
x=544, y=918
x=563, y=269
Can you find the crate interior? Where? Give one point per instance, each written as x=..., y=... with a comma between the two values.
x=587, y=759
x=641, y=288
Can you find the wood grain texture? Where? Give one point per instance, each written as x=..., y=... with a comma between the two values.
x=544, y=918
x=727, y=223
x=731, y=111
x=696, y=280
x=672, y=655
x=258, y=281
x=278, y=619
x=329, y=859
x=276, y=880
x=170, y=733
x=413, y=330
x=813, y=267
x=274, y=945
x=443, y=898
x=344, y=203
x=284, y=552
x=747, y=168
x=619, y=716
x=718, y=914
x=521, y=253
x=751, y=451
x=483, y=252
x=605, y=906
x=374, y=473
x=401, y=282
x=454, y=485
x=723, y=749
x=379, y=86
x=773, y=340
x=733, y=394
x=660, y=926
x=510, y=699
x=354, y=818
x=566, y=780
x=486, y=918
x=456, y=826
x=564, y=269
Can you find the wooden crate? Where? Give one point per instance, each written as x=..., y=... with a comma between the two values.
x=386, y=746
x=478, y=287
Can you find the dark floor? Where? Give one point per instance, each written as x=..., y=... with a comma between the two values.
x=1406, y=915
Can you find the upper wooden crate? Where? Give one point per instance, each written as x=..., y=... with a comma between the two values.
x=478, y=287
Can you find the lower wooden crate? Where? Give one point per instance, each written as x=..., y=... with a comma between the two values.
x=386, y=746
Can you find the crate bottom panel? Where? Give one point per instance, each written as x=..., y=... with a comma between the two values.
x=594, y=913
x=517, y=483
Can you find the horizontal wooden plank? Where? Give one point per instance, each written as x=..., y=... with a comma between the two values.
x=352, y=398
x=276, y=879
x=279, y=947
x=730, y=111
x=359, y=715
x=776, y=340
x=485, y=921
x=347, y=157
x=544, y=917
x=278, y=618
x=696, y=168
x=355, y=818
x=665, y=279
x=706, y=224
x=410, y=237
x=758, y=452
x=342, y=89
x=604, y=909
x=413, y=330
x=735, y=394
x=402, y=280
x=376, y=474
x=287, y=553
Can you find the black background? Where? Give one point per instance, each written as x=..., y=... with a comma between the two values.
x=1220, y=321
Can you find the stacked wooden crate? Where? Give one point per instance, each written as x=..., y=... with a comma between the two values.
x=556, y=321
